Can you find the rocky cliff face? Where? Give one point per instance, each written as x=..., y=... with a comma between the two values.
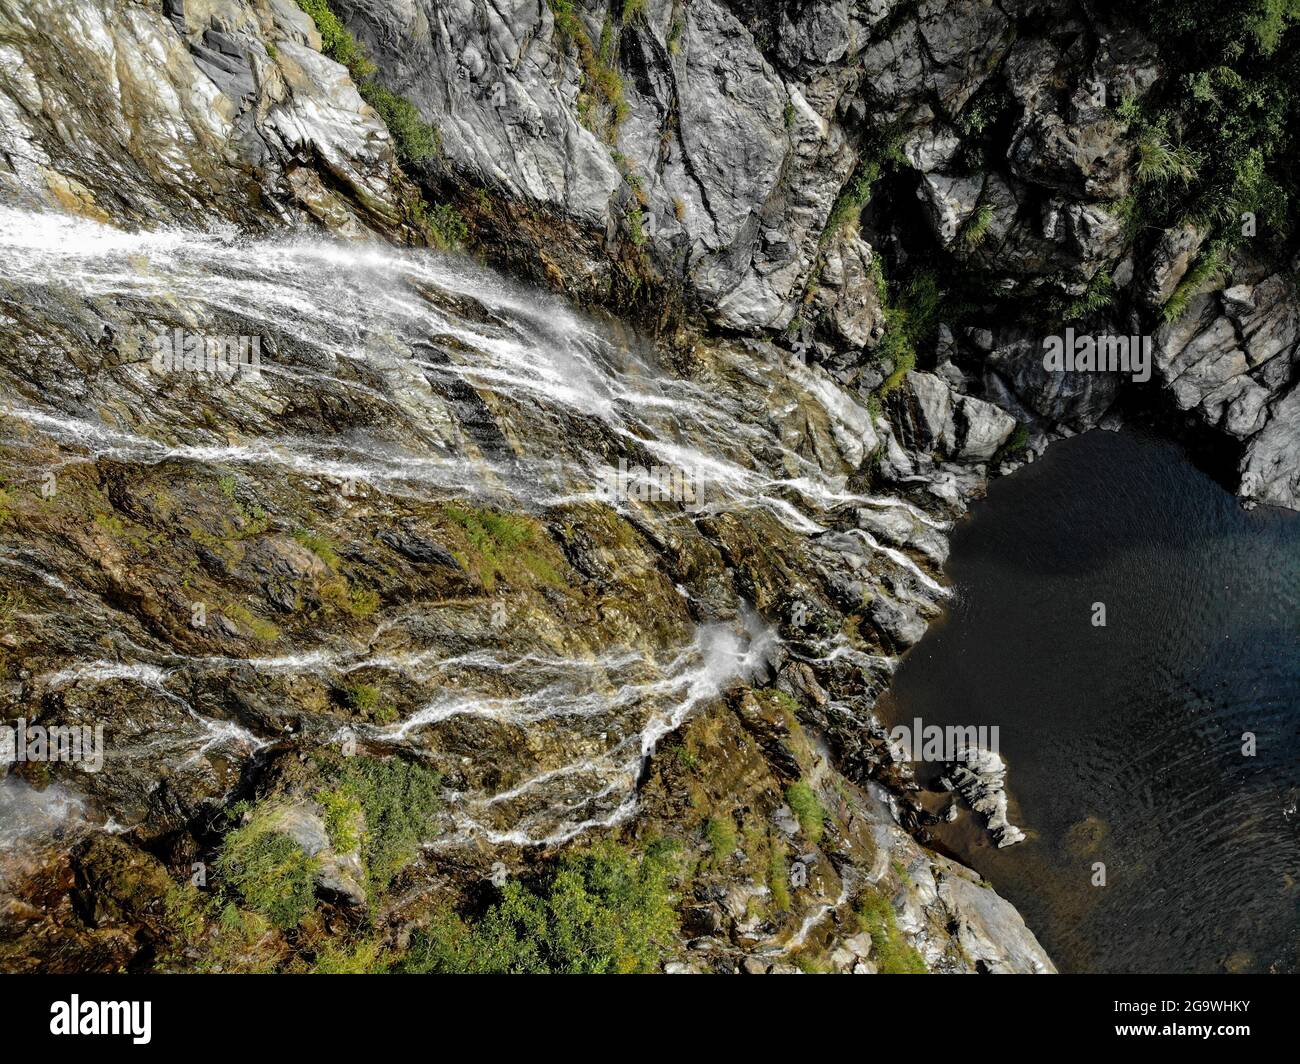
x=722, y=152
x=379, y=595
x=183, y=111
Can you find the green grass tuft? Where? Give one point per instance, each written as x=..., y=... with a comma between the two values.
x=803, y=800
x=891, y=951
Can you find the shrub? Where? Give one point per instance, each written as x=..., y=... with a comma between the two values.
x=413, y=137
x=368, y=701
x=11, y=604
x=977, y=226
x=336, y=41
x=778, y=874
x=343, y=818
x=852, y=200
x=601, y=104
x=319, y=545
x=1208, y=266
x=502, y=545
x=361, y=697
x=907, y=323
x=443, y=224
x=360, y=958
x=1158, y=160
x=1099, y=294
x=399, y=799
x=358, y=601
x=604, y=911
x=270, y=871
x=262, y=631
x=1225, y=129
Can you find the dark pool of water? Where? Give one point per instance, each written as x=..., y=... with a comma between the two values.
x=1125, y=742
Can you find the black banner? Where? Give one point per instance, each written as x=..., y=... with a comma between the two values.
x=182, y=1013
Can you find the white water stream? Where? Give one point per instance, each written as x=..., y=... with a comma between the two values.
x=492, y=392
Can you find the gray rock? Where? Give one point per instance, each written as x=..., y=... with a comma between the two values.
x=172, y=111
x=1173, y=256
x=339, y=874
x=990, y=930
x=979, y=776
x=1270, y=470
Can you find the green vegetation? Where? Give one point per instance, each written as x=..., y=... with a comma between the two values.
x=398, y=799
x=1015, y=444
x=364, y=957
x=500, y=545
x=445, y=225
x=893, y=955
x=262, y=631
x=414, y=138
x=604, y=911
x=909, y=321
x=878, y=156
x=339, y=591
x=382, y=807
x=346, y=596
x=362, y=697
x=720, y=834
x=985, y=109
x=601, y=104
x=11, y=603
x=336, y=41
x=1208, y=267
x=636, y=226
x=976, y=227
x=675, y=34
x=236, y=942
x=269, y=871
x=110, y=523
x=778, y=874
x=343, y=818
x=853, y=199
x=1160, y=161
x=319, y=545
x=1099, y=294
x=368, y=701
x=803, y=800
x=1216, y=145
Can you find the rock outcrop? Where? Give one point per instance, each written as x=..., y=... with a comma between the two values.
x=221, y=109
x=713, y=148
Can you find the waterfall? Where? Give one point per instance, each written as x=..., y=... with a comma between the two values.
x=473, y=388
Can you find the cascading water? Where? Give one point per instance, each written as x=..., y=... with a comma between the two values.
x=471, y=388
